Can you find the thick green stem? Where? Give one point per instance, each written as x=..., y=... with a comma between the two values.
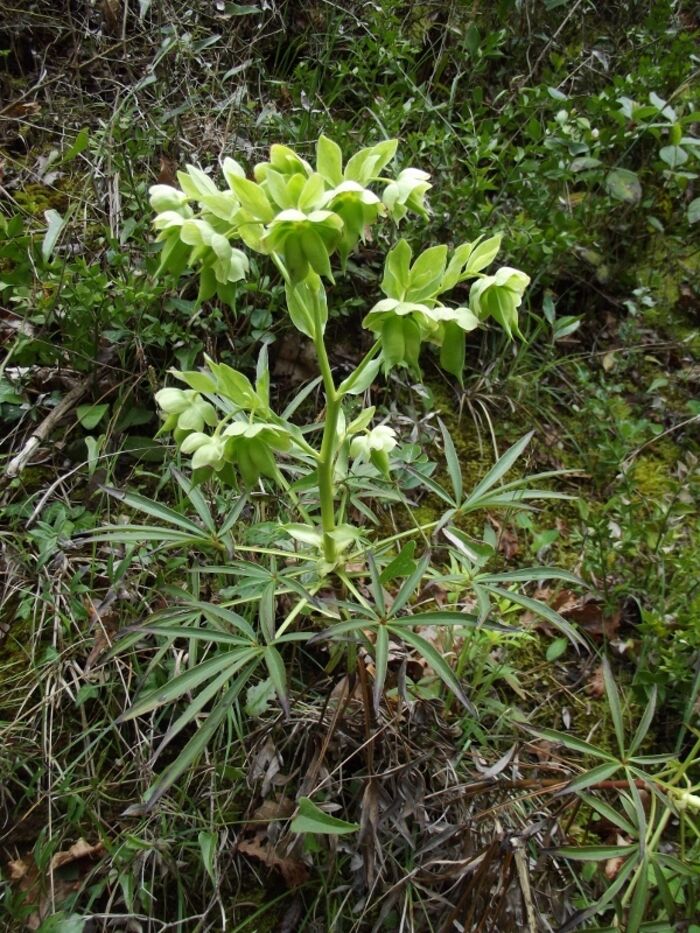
x=326, y=457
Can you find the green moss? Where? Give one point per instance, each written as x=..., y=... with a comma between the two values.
x=650, y=476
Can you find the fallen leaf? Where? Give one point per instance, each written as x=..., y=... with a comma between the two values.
x=613, y=865
x=294, y=871
x=596, y=685
x=79, y=850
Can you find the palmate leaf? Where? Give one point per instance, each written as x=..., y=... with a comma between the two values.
x=454, y=469
x=156, y=509
x=410, y=585
x=436, y=661
x=588, y=778
x=190, y=680
x=499, y=469
x=196, y=745
x=538, y=608
x=571, y=742
x=148, y=534
x=446, y=617
x=197, y=500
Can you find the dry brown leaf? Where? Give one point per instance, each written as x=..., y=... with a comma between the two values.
x=270, y=810
x=596, y=685
x=613, y=865
x=79, y=850
x=293, y=871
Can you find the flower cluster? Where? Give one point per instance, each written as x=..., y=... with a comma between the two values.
x=300, y=215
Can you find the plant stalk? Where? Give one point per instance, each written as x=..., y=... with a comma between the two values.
x=326, y=457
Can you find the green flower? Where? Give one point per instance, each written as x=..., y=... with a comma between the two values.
x=207, y=451
x=499, y=296
x=187, y=410
x=166, y=198
x=407, y=193
x=304, y=241
x=251, y=446
x=375, y=445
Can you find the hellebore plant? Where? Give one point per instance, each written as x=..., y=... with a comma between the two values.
x=304, y=218
x=308, y=220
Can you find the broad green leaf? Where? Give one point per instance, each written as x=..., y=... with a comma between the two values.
x=267, y=611
x=90, y=415
x=401, y=566
x=200, y=381
x=397, y=276
x=208, y=842
x=673, y=156
x=694, y=211
x=253, y=199
x=278, y=675
x=329, y=160
x=623, y=185
x=426, y=273
x=312, y=819
x=556, y=649
x=483, y=254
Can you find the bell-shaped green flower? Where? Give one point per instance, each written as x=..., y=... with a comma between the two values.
x=407, y=193
x=166, y=198
x=251, y=446
x=375, y=445
x=304, y=241
x=357, y=207
x=499, y=296
x=189, y=410
x=206, y=451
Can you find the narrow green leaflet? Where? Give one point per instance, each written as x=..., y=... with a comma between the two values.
x=381, y=657
x=499, y=469
x=454, y=469
x=430, y=653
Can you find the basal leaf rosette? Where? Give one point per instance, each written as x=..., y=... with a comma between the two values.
x=499, y=296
